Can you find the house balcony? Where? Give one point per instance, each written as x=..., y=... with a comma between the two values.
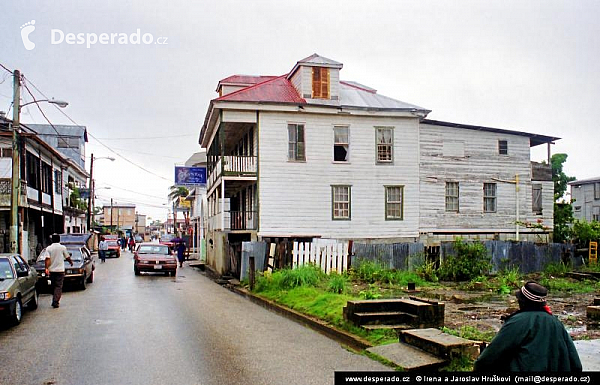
x=541, y=172
x=233, y=168
x=5, y=196
x=234, y=221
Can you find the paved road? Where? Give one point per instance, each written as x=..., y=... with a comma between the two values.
x=154, y=329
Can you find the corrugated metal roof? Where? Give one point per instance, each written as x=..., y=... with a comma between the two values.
x=534, y=139
x=320, y=60
x=277, y=90
x=353, y=95
x=246, y=79
x=585, y=181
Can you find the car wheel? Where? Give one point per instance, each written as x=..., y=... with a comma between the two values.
x=33, y=302
x=91, y=277
x=17, y=313
x=173, y=273
x=82, y=284
x=136, y=271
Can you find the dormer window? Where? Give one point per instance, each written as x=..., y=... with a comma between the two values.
x=320, y=83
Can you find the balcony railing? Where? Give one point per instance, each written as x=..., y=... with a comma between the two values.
x=6, y=186
x=235, y=220
x=233, y=166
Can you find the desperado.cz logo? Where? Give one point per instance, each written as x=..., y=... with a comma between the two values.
x=88, y=39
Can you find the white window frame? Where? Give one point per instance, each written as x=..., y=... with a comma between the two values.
x=380, y=148
x=341, y=202
x=392, y=205
x=452, y=197
x=490, y=191
x=296, y=152
x=345, y=144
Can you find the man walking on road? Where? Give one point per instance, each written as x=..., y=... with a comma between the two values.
x=56, y=255
x=102, y=247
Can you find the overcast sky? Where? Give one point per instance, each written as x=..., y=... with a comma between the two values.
x=530, y=66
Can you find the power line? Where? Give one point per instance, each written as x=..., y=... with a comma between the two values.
x=39, y=108
x=148, y=137
x=104, y=145
x=136, y=192
x=146, y=153
x=2, y=65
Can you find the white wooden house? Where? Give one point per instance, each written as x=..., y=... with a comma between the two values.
x=585, y=195
x=306, y=155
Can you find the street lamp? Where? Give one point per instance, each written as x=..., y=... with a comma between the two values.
x=16, y=160
x=91, y=188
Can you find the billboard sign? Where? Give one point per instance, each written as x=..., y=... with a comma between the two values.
x=190, y=176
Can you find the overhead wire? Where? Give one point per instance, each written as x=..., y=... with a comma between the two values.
x=136, y=192
x=100, y=142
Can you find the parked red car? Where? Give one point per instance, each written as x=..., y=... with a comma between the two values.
x=113, y=248
x=154, y=257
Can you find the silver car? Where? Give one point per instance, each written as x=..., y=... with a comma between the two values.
x=17, y=287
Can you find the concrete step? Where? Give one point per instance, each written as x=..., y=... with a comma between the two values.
x=384, y=318
x=408, y=357
x=387, y=327
x=427, y=313
x=440, y=344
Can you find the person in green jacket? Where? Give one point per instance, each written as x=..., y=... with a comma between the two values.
x=531, y=339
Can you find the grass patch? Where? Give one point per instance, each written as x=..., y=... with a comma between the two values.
x=470, y=333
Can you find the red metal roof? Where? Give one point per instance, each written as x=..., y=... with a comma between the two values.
x=275, y=90
x=245, y=79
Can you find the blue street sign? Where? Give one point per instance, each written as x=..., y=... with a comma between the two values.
x=190, y=176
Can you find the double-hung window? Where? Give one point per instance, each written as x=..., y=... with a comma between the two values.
x=296, y=146
x=489, y=197
x=341, y=144
x=596, y=190
x=394, y=201
x=452, y=196
x=503, y=147
x=340, y=196
x=385, y=144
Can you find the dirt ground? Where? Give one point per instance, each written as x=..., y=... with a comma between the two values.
x=482, y=310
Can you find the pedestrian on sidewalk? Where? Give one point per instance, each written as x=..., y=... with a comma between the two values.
x=131, y=243
x=181, y=252
x=531, y=339
x=102, y=248
x=56, y=255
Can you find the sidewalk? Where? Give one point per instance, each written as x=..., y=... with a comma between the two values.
x=589, y=350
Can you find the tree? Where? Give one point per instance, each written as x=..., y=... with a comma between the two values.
x=176, y=193
x=563, y=211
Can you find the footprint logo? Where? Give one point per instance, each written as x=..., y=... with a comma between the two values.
x=26, y=29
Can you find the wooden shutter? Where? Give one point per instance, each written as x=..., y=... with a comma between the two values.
x=320, y=83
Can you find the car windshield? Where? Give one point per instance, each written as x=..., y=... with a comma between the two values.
x=75, y=255
x=5, y=270
x=167, y=237
x=112, y=243
x=153, y=249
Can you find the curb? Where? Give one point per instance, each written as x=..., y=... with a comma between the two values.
x=316, y=324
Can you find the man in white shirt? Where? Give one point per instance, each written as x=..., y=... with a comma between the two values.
x=56, y=255
x=102, y=248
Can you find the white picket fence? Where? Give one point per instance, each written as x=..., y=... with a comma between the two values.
x=331, y=256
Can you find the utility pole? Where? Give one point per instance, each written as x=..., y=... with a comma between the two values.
x=16, y=166
x=91, y=191
x=111, y=223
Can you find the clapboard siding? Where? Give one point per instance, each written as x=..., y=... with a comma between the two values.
x=481, y=164
x=295, y=197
